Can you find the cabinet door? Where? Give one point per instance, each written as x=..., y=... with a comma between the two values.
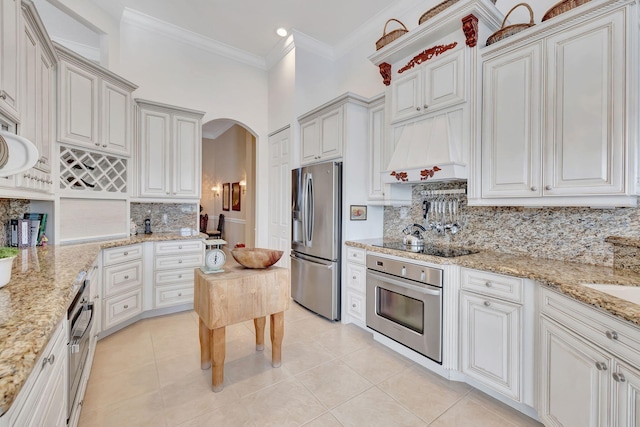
x=116, y=119
x=78, y=109
x=511, y=145
x=309, y=141
x=155, y=172
x=491, y=343
x=377, y=158
x=9, y=63
x=44, y=112
x=586, y=101
x=331, y=133
x=444, y=81
x=574, y=379
x=186, y=157
x=406, y=96
x=30, y=86
x=627, y=383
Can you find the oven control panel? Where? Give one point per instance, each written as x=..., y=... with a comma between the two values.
x=407, y=270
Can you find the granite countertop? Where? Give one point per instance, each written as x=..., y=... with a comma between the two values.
x=36, y=299
x=565, y=277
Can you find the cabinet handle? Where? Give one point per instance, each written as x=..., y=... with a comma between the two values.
x=487, y=303
x=619, y=377
x=488, y=284
x=548, y=187
x=48, y=360
x=104, y=145
x=179, y=261
x=126, y=253
x=612, y=335
x=126, y=277
x=126, y=306
x=601, y=366
x=3, y=94
x=534, y=188
x=97, y=144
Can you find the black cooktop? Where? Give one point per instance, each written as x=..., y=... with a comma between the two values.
x=427, y=249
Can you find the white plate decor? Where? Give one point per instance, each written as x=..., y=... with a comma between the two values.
x=18, y=153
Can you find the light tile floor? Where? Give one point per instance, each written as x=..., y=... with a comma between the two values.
x=331, y=375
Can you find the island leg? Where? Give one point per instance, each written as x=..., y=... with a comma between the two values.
x=259, y=323
x=277, y=333
x=205, y=346
x=217, y=358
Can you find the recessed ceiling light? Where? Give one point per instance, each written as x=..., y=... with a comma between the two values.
x=282, y=32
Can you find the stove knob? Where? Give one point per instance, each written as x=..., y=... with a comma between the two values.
x=404, y=271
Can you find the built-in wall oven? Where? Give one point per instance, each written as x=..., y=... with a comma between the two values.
x=404, y=302
x=80, y=319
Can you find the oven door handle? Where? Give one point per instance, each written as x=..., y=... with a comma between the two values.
x=422, y=289
x=77, y=337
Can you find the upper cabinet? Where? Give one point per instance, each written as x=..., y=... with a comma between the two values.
x=321, y=135
x=560, y=112
x=9, y=75
x=432, y=92
x=95, y=107
x=169, y=151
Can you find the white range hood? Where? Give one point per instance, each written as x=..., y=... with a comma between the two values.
x=428, y=150
x=17, y=154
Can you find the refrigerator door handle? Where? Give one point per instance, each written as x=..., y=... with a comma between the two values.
x=309, y=209
x=292, y=256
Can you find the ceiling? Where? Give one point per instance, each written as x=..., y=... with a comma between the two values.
x=250, y=25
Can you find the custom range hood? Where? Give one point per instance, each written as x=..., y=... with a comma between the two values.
x=429, y=150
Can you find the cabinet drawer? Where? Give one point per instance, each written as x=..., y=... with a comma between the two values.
x=122, y=277
x=175, y=247
x=174, y=276
x=505, y=287
x=593, y=324
x=120, y=308
x=188, y=260
x=356, y=255
x=121, y=254
x=355, y=306
x=357, y=277
x=169, y=295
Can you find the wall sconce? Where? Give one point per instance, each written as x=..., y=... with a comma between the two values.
x=243, y=186
x=216, y=190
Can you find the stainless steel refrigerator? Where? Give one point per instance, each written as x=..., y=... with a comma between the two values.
x=316, y=237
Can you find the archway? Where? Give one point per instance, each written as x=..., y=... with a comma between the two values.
x=229, y=179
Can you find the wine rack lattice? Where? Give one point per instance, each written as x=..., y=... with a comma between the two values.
x=88, y=171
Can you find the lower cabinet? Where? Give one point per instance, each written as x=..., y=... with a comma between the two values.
x=356, y=280
x=43, y=399
x=122, y=307
x=174, y=263
x=588, y=366
x=121, y=285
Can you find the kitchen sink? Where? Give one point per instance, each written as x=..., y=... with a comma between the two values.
x=627, y=293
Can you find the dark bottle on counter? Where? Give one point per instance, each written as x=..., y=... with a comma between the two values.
x=147, y=226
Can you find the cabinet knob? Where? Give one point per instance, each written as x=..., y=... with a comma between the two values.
x=487, y=303
x=600, y=366
x=612, y=335
x=619, y=377
x=488, y=284
x=417, y=108
x=180, y=294
x=126, y=253
x=548, y=187
x=97, y=144
x=353, y=277
x=179, y=276
x=48, y=360
x=534, y=188
x=3, y=94
x=353, y=305
x=104, y=145
x=426, y=106
x=179, y=261
x=126, y=306
x=180, y=247
x=126, y=277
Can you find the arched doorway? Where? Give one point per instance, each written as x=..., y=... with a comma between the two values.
x=229, y=179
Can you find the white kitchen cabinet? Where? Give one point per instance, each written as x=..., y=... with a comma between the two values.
x=356, y=281
x=122, y=284
x=492, y=333
x=174, y=264
x=588, y=365
x=437, y=84
x=42, y=401
x=321, y=136
x=556, y=115
x=169, y=150
x=95, y=108
x=9, y=63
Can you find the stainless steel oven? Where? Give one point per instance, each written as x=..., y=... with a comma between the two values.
x=80, y=318
x=404, y=302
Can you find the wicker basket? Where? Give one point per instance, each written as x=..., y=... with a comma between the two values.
x=562, y=7
x=393, y=35
x=439, y=8
x=510, y=30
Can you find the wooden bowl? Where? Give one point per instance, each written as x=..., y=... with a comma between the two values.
x=256, y=257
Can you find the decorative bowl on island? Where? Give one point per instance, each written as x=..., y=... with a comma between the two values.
x=256, y=257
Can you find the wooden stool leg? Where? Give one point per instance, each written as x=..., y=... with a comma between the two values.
x=277, y=333
x=205, y=346
x=217, y=357
x=259, y=323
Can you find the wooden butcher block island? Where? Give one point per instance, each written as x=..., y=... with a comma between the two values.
x=236, y=295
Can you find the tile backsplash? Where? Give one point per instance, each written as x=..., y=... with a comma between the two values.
x=11, y=209
x=571, y=233
x=165, y=217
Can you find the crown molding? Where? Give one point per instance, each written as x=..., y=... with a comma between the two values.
x=154, y=25
x=304, y=41
x=92, y=53
x=280, y=50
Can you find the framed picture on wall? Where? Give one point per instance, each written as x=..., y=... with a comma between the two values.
x=225, y=196
x=235, y=196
